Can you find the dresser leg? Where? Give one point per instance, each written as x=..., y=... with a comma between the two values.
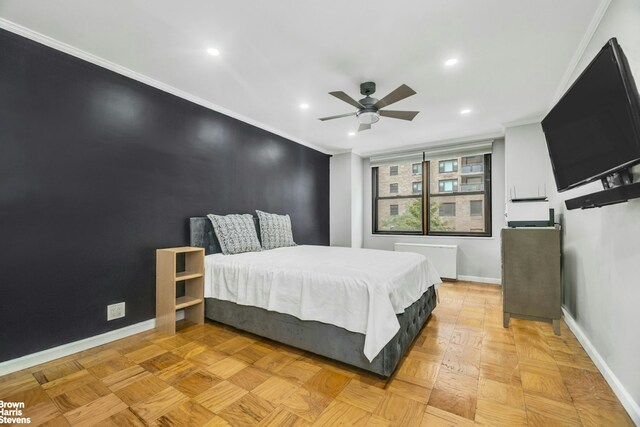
x=556, y=326
x=505, y=319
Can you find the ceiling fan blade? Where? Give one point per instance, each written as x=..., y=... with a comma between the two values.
x=399, y=94
x=346, y=98
x=364, y=126
x=402, y=115
x=337, y=117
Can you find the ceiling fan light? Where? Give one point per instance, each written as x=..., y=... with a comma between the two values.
x=368, y=117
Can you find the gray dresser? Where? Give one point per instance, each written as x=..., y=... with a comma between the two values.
x=531, y=279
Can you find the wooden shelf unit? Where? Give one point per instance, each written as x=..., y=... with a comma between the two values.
x=166, y=278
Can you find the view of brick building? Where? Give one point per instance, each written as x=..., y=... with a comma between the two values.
x=456, y=194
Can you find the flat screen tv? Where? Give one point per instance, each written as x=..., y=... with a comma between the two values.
x=593, y=132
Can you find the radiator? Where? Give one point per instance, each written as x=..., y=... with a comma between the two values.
x=443, y=257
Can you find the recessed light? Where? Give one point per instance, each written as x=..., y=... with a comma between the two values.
x=352, y=133
x=451, y=61
x=213, y=51
x=465, y=111
x=304, y=106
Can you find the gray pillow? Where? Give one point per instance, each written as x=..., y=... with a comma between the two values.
x=275, y=230
x=236, y=233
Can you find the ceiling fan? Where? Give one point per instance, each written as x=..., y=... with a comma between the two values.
x=369, y=109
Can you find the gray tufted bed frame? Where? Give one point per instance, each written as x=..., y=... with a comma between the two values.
x=319, y=338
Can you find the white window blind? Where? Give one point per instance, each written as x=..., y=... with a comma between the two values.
x=394, y=159
x=437, y=151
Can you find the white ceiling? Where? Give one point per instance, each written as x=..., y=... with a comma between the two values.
x=275, y=55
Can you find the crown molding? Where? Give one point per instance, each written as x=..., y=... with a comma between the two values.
x=523, y=122
x=101, y=62
x=345, y=151
x=582, y=47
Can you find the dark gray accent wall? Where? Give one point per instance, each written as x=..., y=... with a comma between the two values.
x=98, y=170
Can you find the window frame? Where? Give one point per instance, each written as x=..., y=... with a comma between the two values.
x=375, y=197
x=442, y=162
x=426, y=203
x=481, y=207
x=413, y=187
x=391, y=169
x=391, y=209
x=454, y=188
x=391, y=186
x=448, y=203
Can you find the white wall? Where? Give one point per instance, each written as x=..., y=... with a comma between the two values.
x=340, y=200
x=527, y=165
x=478, y=257
x=602, y=246
x=345, y=200
x=525, y=146
x=357, y=202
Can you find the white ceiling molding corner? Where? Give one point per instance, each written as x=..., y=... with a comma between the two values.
x=523, y=122
x=338, y=152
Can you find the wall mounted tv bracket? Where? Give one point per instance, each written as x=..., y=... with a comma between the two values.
x=618, y=188
x=616, y=179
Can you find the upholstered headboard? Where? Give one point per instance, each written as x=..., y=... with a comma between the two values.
x=201, y=234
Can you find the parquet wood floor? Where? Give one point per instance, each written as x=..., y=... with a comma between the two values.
x=463, y=369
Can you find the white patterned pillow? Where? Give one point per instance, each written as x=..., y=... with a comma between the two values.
x=275, y=230
x=236, y=233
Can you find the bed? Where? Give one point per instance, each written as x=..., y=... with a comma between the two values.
x=353, y=344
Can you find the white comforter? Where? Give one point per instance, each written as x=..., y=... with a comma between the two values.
x=360, y=290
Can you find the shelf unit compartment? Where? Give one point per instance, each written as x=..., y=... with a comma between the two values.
x=185, y=301
x=192, y=260
x=168, y=261
x=186, y=275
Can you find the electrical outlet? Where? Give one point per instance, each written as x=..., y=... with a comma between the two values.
x=115, y=311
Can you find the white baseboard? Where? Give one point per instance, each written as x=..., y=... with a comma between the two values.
x=618, y=388
x=74, y=347
x=489, y=280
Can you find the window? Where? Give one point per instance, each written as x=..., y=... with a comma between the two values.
x=448, y=166
x=393, y=170
x=397, y=202
x=457, y=205
x=447, y=209
x=472, y=183
x=472, y=165
x=448, y=185
x=472, y=160
x=475, y=207
x=471, y=198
